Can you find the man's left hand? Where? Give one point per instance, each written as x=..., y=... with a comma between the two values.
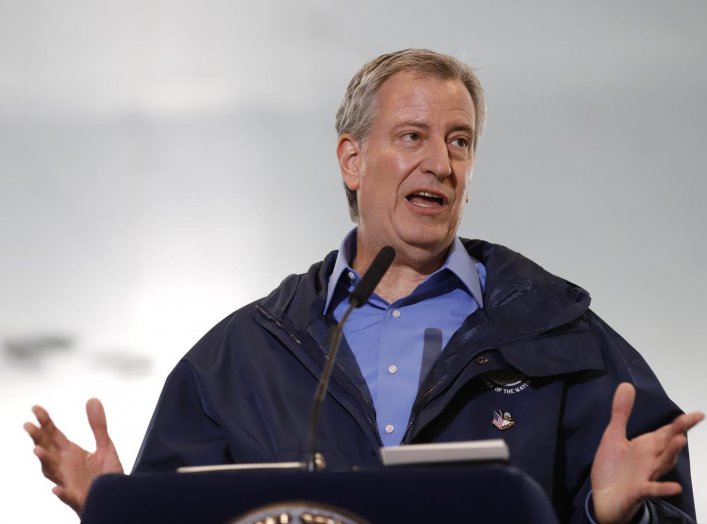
x=626, y=472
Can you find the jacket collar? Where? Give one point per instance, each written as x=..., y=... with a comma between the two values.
x=522, y=302
x=520, y=297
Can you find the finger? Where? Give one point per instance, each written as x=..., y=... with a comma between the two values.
x=47, y=434
x=42, y=416
x=47, y=424
x=621, y=408
x=688, y=421
x=661, y=489
x=48, y=464
x=33, y=431
x=67, y=499
x=668, y=457
x=675, y=445
x=97, y=420
x=40, y=437
x=678, y=427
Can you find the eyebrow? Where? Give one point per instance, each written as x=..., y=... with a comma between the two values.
x=463, y=127
x=424, y=125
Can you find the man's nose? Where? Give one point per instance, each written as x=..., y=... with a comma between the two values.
x=437, y=160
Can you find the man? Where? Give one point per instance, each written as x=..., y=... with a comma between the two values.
x=461, y=340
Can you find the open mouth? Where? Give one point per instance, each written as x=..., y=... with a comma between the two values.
x=425, y=199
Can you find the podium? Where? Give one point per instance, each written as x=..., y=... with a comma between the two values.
x=458, y=493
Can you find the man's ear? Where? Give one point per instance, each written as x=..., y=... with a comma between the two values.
x=348, y=151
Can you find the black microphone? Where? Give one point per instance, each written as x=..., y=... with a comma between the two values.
x=375, y=273
x=360, y=295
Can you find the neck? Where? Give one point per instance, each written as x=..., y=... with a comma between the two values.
x=403, y=276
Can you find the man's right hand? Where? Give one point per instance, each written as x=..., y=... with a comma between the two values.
x=69, y=466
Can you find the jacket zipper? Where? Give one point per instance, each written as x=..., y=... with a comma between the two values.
x=414, y=417
x=366, y=401
x=438, y=384
x=371, y=423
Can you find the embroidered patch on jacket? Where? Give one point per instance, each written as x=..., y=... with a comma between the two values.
x=505, y=382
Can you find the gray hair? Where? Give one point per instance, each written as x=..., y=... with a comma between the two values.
x=358, y=108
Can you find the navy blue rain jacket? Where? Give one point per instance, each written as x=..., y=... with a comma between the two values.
x=535, y=351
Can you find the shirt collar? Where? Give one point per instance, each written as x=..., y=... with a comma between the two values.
x=458, y=261
x=466, y=268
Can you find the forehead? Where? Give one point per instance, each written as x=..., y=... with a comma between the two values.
x=407, y=93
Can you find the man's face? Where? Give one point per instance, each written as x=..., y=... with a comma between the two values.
x=412, y=173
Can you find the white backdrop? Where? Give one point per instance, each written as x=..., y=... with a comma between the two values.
x=156, y=158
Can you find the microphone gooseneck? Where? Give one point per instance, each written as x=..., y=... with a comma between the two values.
x=370, y=279
x=359, y=296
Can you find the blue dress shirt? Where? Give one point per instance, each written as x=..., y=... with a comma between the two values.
x=396, y=344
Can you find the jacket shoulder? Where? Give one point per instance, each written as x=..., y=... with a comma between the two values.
x=241, y=324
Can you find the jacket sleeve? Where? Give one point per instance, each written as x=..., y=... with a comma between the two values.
x=592, y=396
x=181, y=431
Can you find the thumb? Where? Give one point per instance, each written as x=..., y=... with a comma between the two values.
x=621, y=409
x=97, y=421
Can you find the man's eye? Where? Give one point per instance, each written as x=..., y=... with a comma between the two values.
x=412, y=137
x=461, y=142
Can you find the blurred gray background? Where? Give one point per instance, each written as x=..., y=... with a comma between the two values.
x=156, y=158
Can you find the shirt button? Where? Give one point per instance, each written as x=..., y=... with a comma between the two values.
x=396, y=313
x=392, y=369
x=351, y=275
x=389, y=428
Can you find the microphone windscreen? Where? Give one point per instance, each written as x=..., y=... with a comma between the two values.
x=370, y=279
